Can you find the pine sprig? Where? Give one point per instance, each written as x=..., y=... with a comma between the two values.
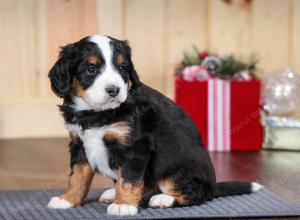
x=228, y=66
x=191, y=59
x=253, y=60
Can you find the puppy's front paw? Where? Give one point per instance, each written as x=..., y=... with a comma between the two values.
x=161, y=201
x=57, y=203
x=121, y=209
x=108, y=196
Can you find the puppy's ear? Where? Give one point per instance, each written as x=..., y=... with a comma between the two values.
x=133, y=76
x=60, y=74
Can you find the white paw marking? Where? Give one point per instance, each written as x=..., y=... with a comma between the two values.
x=161, y=201
x=108, y=196
x=121, y=209
x=255, y=187
x=57, y=203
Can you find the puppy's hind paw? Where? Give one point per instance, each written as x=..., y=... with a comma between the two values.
x=161, y=201
x=108, y=196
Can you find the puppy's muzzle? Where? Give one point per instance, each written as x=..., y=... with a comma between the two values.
x=113, y=91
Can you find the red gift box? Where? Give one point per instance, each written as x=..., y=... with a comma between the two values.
x=243, y=128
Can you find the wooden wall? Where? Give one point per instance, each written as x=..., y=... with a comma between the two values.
x=159, y=31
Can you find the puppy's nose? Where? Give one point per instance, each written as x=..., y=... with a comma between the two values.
x=112, y=90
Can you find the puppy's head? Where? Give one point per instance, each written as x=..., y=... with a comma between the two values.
x=97, y=72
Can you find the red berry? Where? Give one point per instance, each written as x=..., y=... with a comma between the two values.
x=203, y=54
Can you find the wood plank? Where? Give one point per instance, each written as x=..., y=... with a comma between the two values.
x=294, y=49
x=185, y=25
x=229, y=26
x=295, y=36
x=42, y=50
x=44, y=163
x=76, y=19
x=270, y=33
x=276, y=170
x=18, y=37
x=31, y=118
x=110, y=15
x=144, y=28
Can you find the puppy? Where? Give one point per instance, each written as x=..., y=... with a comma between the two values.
x=130, y=133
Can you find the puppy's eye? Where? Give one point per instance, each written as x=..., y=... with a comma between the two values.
x=91, y=70
x=121, y=67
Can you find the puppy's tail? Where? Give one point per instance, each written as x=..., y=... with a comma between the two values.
x=236, y=188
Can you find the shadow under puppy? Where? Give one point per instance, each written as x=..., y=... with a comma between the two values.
x=129, y=132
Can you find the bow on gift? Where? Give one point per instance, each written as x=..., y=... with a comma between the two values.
x=201, y=73
x=205, y=66
x=195, y=72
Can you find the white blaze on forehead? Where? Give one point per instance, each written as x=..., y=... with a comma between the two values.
x=103, y=43
x=96, y=96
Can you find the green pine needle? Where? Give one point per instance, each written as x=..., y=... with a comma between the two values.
x=227, y=66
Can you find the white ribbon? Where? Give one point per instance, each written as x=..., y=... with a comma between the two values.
x=219, y=115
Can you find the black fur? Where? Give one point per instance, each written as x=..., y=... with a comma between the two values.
x=77, y=152
x=164, y=142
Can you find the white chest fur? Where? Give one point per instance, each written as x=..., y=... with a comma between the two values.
x=95, y=148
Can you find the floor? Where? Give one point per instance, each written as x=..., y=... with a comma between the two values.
x=44, y=163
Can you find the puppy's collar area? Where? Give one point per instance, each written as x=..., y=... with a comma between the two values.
x=79, y=104
x=90, y=118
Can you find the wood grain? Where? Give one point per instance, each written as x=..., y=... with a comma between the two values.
x=147, y=39
x=44, y=163
x=158, y=31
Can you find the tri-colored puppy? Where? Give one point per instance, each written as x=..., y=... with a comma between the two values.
x=129, y=132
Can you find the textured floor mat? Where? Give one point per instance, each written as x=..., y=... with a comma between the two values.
x=32, y=204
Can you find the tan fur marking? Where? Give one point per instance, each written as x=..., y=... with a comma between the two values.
x=128, y=192
x=129, y=85
x=79, y=184
x=120, y=59
x=94, y=60
x=78, y=89
x=73, y=136
x=167, y=186
x=114, y=137
x=118, y=132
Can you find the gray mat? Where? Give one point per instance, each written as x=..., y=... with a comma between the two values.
x=32, y=205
